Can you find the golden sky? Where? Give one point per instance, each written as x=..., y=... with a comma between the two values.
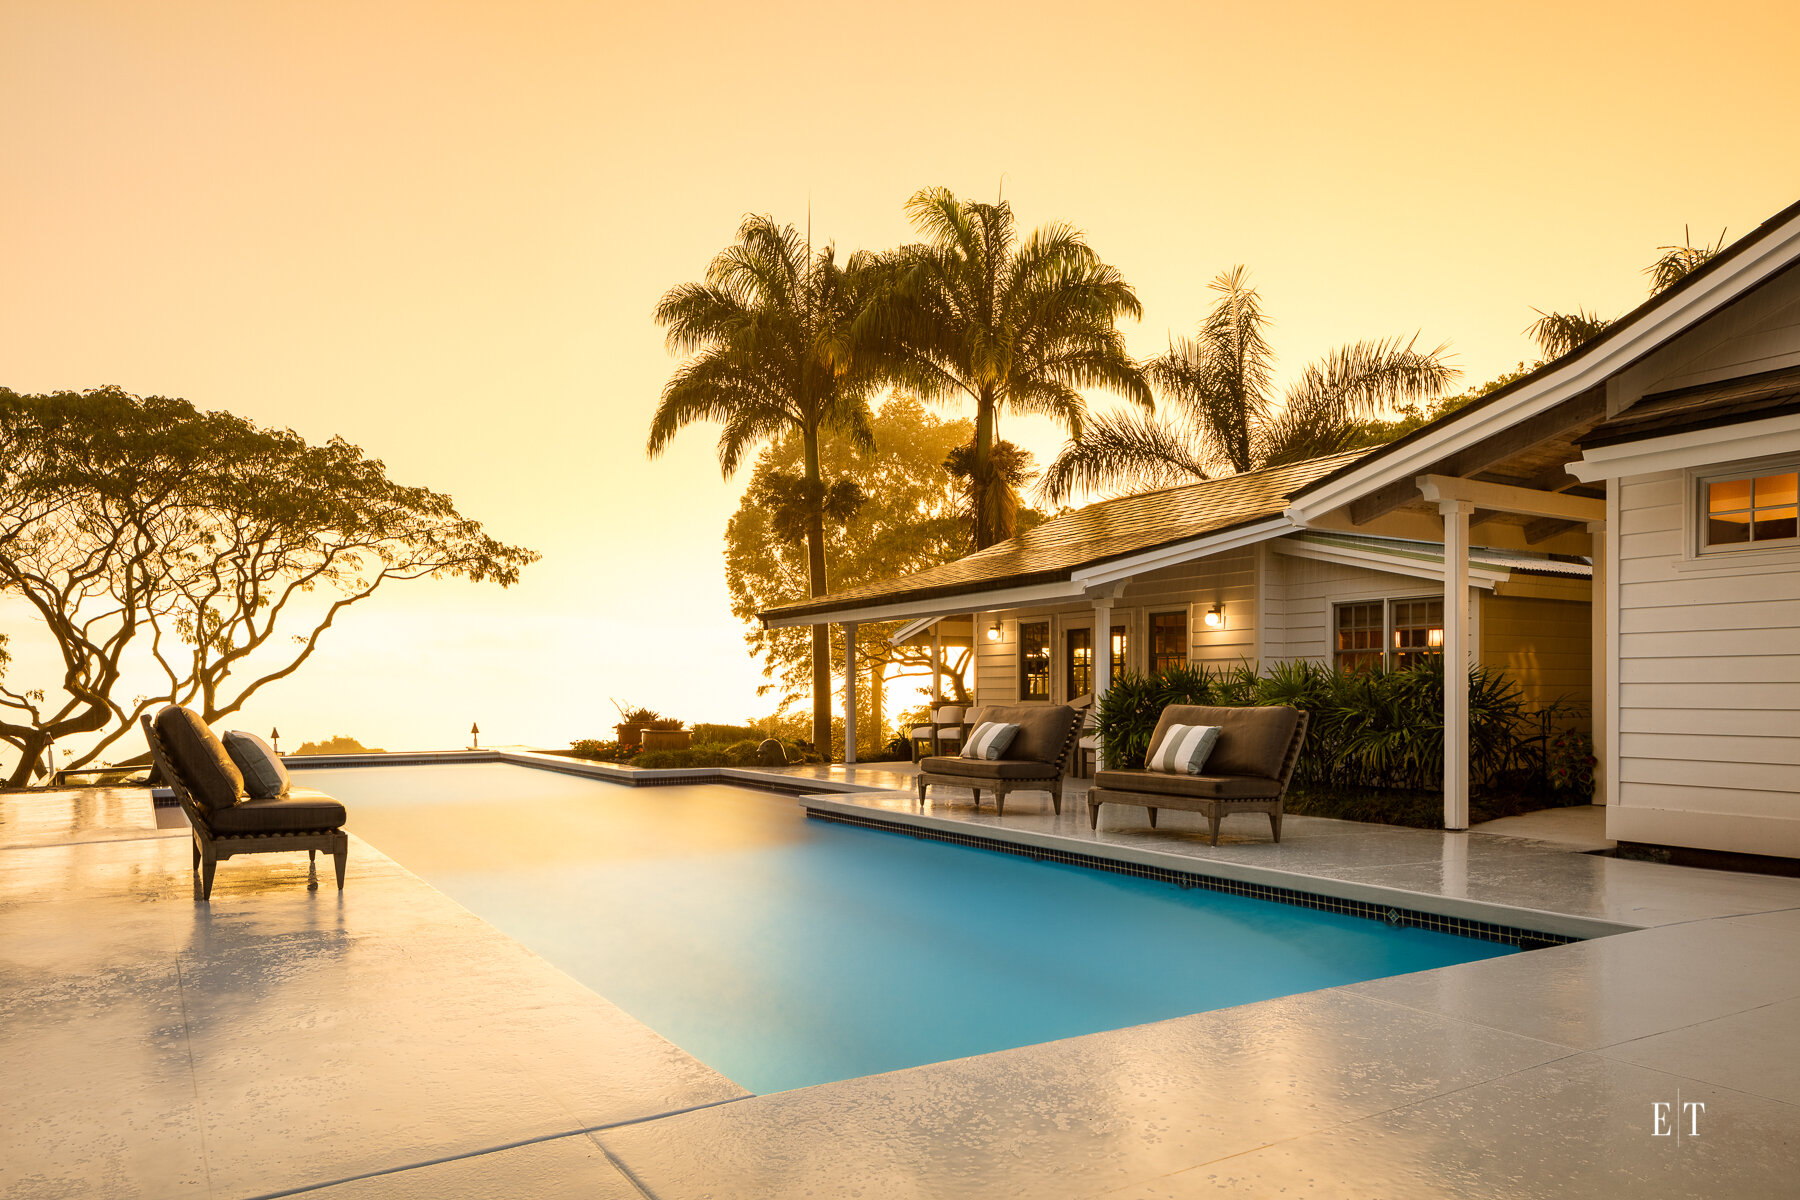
x=438, y=229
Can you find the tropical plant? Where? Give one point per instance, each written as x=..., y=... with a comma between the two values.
x=1368, y=728
x=769, y=352
x=341, y=744
x=973, y=312
x=1558, y=333
x=1011, y=468
x=1219, y=413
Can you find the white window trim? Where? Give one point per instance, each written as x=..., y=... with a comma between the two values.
x=1698, y=557
x=1387, y=624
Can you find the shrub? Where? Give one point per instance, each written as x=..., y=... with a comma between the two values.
x=1569, y=763
x=1368, y=729
x=727, y=734
x=709, y=754
x=596, y=750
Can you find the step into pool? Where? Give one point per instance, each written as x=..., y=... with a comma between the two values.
x=784, y=952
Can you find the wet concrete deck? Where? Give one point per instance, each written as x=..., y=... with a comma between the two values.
x=384, y=1042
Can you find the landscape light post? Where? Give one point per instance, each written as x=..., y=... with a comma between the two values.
x=475, y=733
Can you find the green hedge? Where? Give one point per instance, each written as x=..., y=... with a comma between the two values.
x=1368, y=728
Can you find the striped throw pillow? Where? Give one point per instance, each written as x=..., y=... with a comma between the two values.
x=1183, y=749
x=990, y=740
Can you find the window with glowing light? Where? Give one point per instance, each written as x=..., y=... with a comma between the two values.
x=1168, y=640
x=1034, y=660
x=1372, y=634
x=1078, y=661
x=1751, y=511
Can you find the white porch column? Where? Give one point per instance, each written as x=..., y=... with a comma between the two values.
x=1456, y=662
x=1102, y=647
x=977, y=635
x=850, y=692
x=1601, y=718
x=937, y=660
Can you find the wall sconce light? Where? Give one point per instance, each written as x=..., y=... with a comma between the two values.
x=1215, y=617
x=1435, y=639
x=994, y=632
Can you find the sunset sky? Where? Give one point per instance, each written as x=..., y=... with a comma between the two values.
x=439, y=229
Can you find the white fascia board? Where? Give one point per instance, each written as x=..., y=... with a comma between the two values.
x=1695, y=448
x=912, y=627
x=942, y=606
x=1415, y=568
x=1169, y=556
x=1620, y=348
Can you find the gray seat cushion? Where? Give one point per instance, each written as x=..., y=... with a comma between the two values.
x=984, y=768
x=207, y=772
x=302, y=810
x=1252, y=741
x=264, y=775
x=1043, y=728
x=1205, y=787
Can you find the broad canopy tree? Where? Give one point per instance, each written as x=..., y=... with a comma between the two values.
x=910, y=516
x=153, y=540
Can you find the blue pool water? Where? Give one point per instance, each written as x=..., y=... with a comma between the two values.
x=783, y=951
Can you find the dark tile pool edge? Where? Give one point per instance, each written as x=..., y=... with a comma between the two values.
x=1392, y=915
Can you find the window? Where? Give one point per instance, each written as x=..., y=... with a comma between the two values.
x=1749, y=511
x=1418, y=627
x=1034, y=660
x=1118, y=652
x=1372, y=634
x=1168, y=640
x=1079, y=661
x=1359, y=635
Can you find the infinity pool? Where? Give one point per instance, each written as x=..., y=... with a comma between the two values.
x=783, y=951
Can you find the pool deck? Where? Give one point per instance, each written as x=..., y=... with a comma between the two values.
x=382, y=1041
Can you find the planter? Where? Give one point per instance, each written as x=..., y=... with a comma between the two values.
x=628, y=734
x=665, y=739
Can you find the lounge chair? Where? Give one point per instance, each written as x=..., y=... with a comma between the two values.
x=1034, y=762
x=944, y=731
x=1247, y=771
x=211, y=791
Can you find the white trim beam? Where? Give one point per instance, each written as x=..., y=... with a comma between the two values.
x=943, y=606
x=1480, y=577
x=1503, y=497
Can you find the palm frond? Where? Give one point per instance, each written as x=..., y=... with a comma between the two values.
x=1121, y=453
x=1558, y=333
x=1366, y=377
x=1675, y=263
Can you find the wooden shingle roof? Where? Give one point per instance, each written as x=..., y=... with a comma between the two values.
x=1099, y=533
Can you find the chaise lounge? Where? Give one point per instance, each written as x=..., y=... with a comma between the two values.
x=227, y=821
x=1247, y=771
x=1034, y=762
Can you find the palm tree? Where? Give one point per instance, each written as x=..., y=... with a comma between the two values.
x=1558, y=333
x=769, y=354
x=1220, y=412
x=974, y=312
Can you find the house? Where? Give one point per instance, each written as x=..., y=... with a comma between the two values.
x=1665, y=453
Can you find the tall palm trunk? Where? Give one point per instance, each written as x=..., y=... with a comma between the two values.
x=815, y=583
x=983, y=495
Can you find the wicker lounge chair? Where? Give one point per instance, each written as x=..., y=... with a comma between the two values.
x=1035, y=761
x=1248, y=771
x=211, y=791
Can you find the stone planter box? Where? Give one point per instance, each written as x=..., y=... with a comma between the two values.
x=664, y=739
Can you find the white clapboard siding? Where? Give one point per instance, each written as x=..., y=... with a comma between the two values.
x=1708, y=675
x=1307, y=589
x=1228, y=579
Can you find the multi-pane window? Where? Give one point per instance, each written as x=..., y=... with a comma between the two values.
x=1168, y=640
x=1360, y=629
x=1034, y=660
x=1118, y=652
x=1750, y=512
x=1418, y=627
x=1079, y=663
x=1371, y=634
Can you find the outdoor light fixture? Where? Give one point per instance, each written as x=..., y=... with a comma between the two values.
x=994, y=632
x=1215, y=617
